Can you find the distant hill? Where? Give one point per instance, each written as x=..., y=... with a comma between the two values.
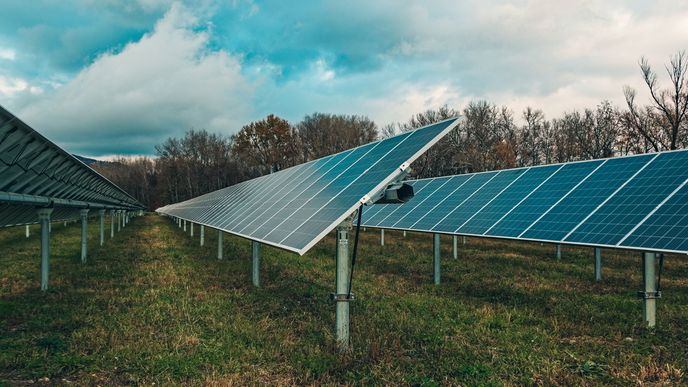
x=90, y=162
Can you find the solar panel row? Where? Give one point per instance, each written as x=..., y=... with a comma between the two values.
x=296, y=207
x=637, y=202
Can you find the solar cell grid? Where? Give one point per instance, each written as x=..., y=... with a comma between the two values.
x=543, y=198
x=667, y=228
x=294, y=208
x=424, y=203
x=377, y=214
x=441, y=218
x=602, y=183
x=630, y=205
x=507, y=200
x=485, y=196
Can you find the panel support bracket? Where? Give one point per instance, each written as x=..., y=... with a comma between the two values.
x=341, y=297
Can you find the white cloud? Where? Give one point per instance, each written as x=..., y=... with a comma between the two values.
x=10, y=86
x=162, y=85
x=8, y=54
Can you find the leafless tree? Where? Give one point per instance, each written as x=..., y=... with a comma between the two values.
x=663, y=123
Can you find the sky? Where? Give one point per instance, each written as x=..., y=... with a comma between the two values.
x=113, y=77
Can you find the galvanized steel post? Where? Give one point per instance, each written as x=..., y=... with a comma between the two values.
x=202, y=235
x=184, y=223
x=44, y=219
x=650, y=294
x=102, y=226
x=455, y=247
x=598, y=264
x=255, y=248
x=382, y=237
x=112, y=224
x=342, y=296
x=119, y=222
x=558, y=251
x=404, y=233
x=463, y=240
x=84, y=234
x=191, y=224
x=220, y=235
x=436, y=258
x=28, y=231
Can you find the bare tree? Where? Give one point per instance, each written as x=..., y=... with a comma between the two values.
x=664, y=123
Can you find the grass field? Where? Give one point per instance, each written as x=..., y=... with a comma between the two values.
x=152, y=306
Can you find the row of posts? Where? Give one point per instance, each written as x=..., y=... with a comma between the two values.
x=343, y=270
x=255, y=247
x=649, y=263
x=44, y=219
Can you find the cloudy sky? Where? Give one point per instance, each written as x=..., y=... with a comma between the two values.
x=107, y=77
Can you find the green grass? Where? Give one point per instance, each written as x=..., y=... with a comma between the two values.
x=153, y=306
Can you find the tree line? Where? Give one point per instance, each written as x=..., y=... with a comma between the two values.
x=489, y=137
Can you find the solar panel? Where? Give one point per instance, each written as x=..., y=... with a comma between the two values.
x=666, y=228
x=295, y=208
x=34, y=172
x=377, y=214
x=508, y=199
x=637, y=202
x=544, y=197
x=601, y=184
x=611, y=222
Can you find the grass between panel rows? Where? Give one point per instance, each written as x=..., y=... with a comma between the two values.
x=153, y=306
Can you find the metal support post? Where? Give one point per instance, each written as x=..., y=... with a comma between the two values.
x=455, y=249
x=28, y=231
x=202, y=235
x=119, y=222
x=436, y=258
x=404, y=233
x=102, y=226
x=558, y=251
x=255, y=248
x=220, y=243
x=463, y=240
x=44, y=219
x=598, y=264
x=382, y=237
x=191, y=223
x=651, y=293
x=84, y=234
x=184, y=223
x=50, y=227
x=112, y=224
x=342, y=297
x=179, y=222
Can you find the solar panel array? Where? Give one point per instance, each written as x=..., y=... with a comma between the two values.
x=296, y=207
x=34, y=172
x=635, y=202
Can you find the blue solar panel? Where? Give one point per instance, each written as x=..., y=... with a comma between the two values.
x=503, y=203
x=480, y=198
x=295, y=208
x=425, y=202
x=442, y=218
x=580, y=202
x=611, y=222
x=543, y=198
x=667, y=228
x=377, y=214
x=638, y=202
